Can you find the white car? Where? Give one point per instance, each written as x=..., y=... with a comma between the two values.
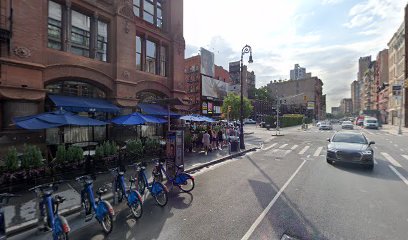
x=370, y=123
x=249, y=121
x=318, y=124
x=347, y=125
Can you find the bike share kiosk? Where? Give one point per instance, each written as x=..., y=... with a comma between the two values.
x=174, y=151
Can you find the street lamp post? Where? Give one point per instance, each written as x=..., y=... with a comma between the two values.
x=246, y=49
x=400, y=108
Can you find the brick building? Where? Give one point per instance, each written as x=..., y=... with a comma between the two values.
x=123, y=52
x=194, y=82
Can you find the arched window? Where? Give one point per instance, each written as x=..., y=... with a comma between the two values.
x=75, y=88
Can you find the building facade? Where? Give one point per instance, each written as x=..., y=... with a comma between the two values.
x=298, y=73
x=369, y=91
x=396, y=76
x=251, y=82
x=235, y=75
x=381, y=81
x=355, y=96
x=300, y=95
x=335, y=111
x=363, y=64
x=346, y=106
x=196, y=82
x=120, y=51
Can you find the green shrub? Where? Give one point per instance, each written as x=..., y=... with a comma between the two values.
x=32, y=157
x=12, y=159
x=152, y=147
x=61, y=154
x=135, y=149
x=99, y=152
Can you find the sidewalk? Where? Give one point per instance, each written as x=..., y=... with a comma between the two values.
x=392, y=129
x=21, y=212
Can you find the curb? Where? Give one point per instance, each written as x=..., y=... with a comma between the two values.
x=14, y=230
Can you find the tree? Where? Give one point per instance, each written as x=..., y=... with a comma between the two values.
x=234, y=101
x=263, y=94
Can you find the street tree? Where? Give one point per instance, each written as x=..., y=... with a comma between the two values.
x=234, y=101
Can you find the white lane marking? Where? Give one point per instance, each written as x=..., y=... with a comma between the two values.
x=405, y=156
x=304, y=150
x=266, y=210
x=391, y=159
x=294, y=147
x=317, y=152
x=287, y=152
x=375, y=162
x=270, y=139
x=399, y=174
x=274, y=150
x=284, y=145
x=396, y=145
x=375, y=147
x=370, y=133
x=273, y=145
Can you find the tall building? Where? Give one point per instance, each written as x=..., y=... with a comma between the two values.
x=346, y=106
x=363, y=64
x=204, y=92
x=111, y=52
x=335, y=111
x=381, y=81
x=369, y=91
x=355, y=96
x=300, y=95
x=251, y=81
x=298, y=73
x=396, y=70
x=235, y=75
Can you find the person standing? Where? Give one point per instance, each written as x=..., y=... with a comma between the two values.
x=206, y=142
x=220, y=139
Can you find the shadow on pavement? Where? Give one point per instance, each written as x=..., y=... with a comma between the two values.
x=284, y=217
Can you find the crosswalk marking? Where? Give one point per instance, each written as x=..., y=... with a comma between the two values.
x=270, y=139
x=294, y=147
x=405, y=156
x=317, y=152
x=284, y=145
x=304, y=150
x=391, y=159
x=399, y=175
x=273, y=145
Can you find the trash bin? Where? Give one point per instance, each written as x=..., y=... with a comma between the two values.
x=234, y=144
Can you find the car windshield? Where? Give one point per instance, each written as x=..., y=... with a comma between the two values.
x=349, y=138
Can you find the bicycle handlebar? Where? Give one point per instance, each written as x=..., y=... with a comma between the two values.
x=46, y=185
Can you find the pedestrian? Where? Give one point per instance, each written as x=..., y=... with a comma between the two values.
x=206, y=142
x=220, y=139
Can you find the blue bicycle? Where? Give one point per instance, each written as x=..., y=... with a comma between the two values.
x=156, y=189
x=182, y=180
x=4, y=199
x=134, y=199
x=51, y=219
x=102, y=210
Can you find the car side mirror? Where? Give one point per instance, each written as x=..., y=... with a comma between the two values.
x=328, y=140
x=371, y=143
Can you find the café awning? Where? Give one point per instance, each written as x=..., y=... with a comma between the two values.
x=82, y=104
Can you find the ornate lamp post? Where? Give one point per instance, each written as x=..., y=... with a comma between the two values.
x=246, y=49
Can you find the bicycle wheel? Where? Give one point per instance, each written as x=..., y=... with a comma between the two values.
x=86, y=203
x=107, y=223
x=161, y=195
x=187, y=182
x=141, y=184
x=137, y=209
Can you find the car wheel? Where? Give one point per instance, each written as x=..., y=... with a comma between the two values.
x=329, y=161
x=370, y=167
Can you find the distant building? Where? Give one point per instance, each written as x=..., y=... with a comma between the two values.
x=298, y=73
x=251, y=81
x=346, y=106
x=363, y=64
x=335, y=111
x=235, y=75
x=355, y=96
x=298, y=95
x=369, y=90
x=381, y=79
x=396, y=69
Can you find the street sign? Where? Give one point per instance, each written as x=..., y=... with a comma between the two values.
x=396, y=87
x=310, y=105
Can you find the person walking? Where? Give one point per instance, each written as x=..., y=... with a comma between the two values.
x=220, y=139
x=206, y=142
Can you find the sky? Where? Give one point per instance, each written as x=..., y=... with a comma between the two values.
x=327, y=37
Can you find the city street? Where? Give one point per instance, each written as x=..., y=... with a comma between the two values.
x=284, y=188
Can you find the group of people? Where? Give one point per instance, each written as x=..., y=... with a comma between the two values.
x=215, y=137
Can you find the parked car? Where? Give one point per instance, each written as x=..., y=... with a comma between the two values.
x=351, y=147
x=347, y=125
x=325, y=126
x=370, y=123
x=318, y=124
x=249, y=121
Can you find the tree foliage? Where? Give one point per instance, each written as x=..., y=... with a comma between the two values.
x=234, y=101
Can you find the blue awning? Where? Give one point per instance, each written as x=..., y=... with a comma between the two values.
x=137, y=119
x=82, y=104
x=154, y=109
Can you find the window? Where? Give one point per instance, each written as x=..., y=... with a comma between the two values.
x=159, y=17
x=75, y=88
x=163, y=57
x=150, y=57
x=80, y=33
x=138, y=53
x=148, y=11
x=136, y=8
x=54, y=25
x=102, y=42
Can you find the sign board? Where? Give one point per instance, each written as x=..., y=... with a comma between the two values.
x=207, y=62
x=174, y=151
x=210, y=108
x=396, y=87
x=204, y=108
x=310, y=105
x=213, y=88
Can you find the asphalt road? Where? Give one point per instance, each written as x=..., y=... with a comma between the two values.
x=285, y=188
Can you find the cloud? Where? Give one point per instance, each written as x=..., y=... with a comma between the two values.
x=331, y=2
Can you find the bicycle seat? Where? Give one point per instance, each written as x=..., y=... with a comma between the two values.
x=101, y=191
x=121, y=173
x=180, y=166
x=58, y=199
x=88, y=181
